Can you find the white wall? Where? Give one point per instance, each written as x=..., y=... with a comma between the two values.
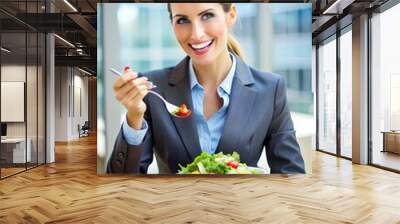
x=33, y=126
x=13, y=73
x=61, y=103
x=70, y=83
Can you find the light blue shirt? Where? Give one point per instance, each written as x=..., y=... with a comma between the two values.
x=210, y=130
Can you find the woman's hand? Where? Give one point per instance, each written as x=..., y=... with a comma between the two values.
x=130, y=91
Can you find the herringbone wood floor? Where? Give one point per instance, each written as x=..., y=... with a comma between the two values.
x=70, y=191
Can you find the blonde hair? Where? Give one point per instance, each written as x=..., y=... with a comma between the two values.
x=232, y=44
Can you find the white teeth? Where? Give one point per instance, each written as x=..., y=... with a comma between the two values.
x=202, y=45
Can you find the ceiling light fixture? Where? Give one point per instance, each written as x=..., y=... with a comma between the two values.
x=70, y=5
x=86, y=72
x=337, y=7
x=5, y=50
x=64, y=40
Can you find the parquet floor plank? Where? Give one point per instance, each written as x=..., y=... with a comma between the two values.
x=70, y=191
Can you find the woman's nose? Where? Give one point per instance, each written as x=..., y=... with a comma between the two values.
x=197, y=31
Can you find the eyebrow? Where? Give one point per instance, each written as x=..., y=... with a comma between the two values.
x=185, y=16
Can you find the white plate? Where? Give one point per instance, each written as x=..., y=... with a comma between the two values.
x=258, y=169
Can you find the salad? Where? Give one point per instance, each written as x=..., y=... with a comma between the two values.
x=219, y=163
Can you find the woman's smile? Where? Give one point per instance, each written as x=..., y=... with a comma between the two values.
x=201, y=48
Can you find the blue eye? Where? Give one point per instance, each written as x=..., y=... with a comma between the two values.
x=207, y=15
x=182, y=21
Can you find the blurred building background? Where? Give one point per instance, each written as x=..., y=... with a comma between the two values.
x=274, y=37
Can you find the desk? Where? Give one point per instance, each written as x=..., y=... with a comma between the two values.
x=15, y=148
x=391, y=141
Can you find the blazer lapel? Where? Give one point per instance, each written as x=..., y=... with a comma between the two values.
x=241, y=103
x=179, y=93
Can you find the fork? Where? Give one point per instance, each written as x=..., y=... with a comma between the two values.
x=171, y=108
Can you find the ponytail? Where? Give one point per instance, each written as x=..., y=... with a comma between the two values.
x=234, y=47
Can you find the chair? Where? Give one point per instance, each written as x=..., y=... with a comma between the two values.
x=84, y=130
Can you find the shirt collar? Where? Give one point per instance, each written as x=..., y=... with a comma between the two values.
x=226, y=84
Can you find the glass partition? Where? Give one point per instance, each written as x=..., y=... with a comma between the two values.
x=385, y=85
x=22, y=88
x=346, y=94
x=327, y=96
x=13, y=87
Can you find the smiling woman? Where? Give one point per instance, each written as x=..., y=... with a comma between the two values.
x=226, y=97
x=210, y=19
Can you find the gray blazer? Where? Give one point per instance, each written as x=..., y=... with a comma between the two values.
x=258, y=116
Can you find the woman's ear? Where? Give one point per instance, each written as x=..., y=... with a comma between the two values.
x=231, y=16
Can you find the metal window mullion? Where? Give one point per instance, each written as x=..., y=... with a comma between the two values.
x=45, y=95
x=338, y=96
x=317, y=95
x=26, y=87
x=37, y=91
x=369, y=100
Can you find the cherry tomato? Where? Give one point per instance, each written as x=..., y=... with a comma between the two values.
x=183, y=111
x=233, y=164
